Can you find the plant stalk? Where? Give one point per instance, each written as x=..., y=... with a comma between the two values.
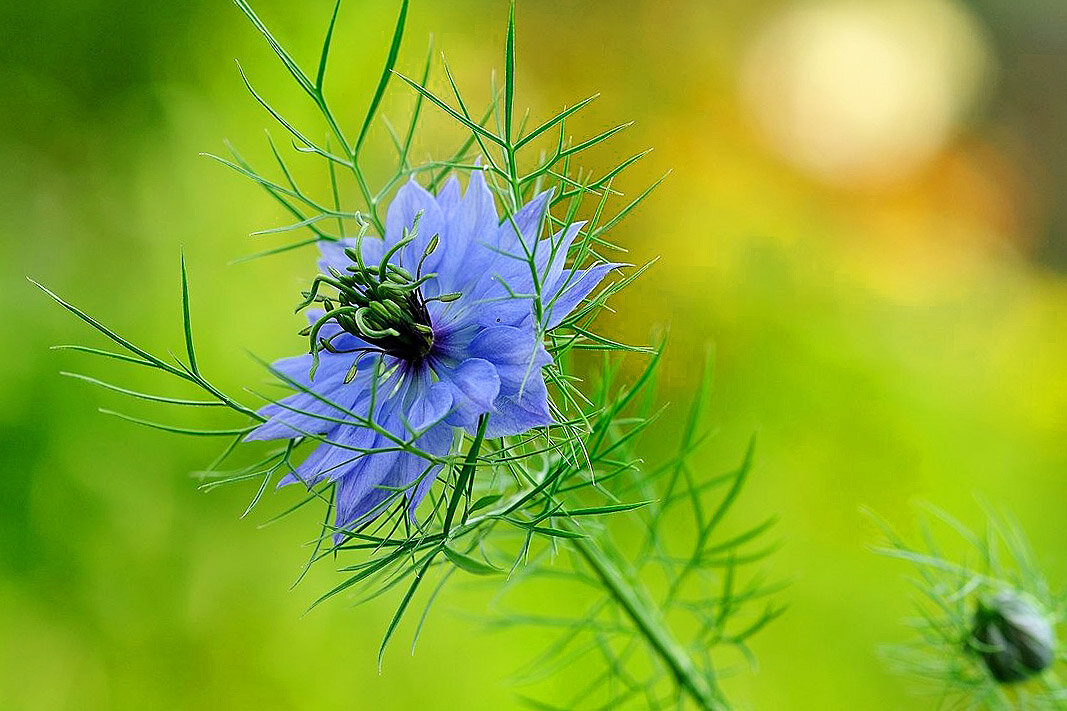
x=469, y=465
x=646, y=617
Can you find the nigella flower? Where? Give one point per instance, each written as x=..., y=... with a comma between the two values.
x=432, y=330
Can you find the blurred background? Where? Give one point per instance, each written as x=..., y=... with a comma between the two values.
x=866, y=217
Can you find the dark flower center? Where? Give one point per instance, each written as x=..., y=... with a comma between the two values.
x=382, y=304
x=397, y=324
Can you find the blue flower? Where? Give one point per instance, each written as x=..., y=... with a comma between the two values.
x=433, y=327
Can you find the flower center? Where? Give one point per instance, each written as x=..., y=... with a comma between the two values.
x=381, y=304
x=391, y=316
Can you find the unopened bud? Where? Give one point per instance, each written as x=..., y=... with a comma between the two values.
x=1013, y=637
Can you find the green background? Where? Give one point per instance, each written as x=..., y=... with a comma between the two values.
x=891, y=342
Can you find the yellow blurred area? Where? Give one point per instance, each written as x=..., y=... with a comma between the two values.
x=863, y=202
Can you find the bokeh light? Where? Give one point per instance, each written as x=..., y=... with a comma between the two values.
x=865, y=90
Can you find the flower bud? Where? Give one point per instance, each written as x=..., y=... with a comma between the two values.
x=1013, y=637
x=431, y=247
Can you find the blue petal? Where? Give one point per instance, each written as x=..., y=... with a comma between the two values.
x=505, y=310
x=295, y=368
x=523, y=411
x=516, y=353
x=296, y=416
x=503, y=293
x=476, y=216
x=343, y=452
x=409, y=201
x=572, y=289
x=307, y=413
x=518, y=357
x=339, y=340
x=471, y=223
x=504, y=289
x=437, y=441
x=334, y=257
x=448, y=197
x=364, y=495
x=558, y=249
x=523, y=226
x=429, y=407
x=358, y=495
x=475, y=384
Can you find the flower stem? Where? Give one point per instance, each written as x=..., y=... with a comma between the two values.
x=646, y=617
x=465, y=474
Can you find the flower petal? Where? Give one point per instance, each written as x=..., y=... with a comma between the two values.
x=409, y=201
x=574, y=286
x=448, y=197
x=476, y=215
x=463, y=257
x=516, y=353
x=364, y=495
x=334, y=257
x=517, y=235
x=522, y=411
x=438, y=441
x=357, y=494
x=314, y=412
x=558, y=249
x=429, y=406
x=475, y=385
x=344, y=452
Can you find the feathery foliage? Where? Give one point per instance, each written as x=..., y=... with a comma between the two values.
x=670, y=585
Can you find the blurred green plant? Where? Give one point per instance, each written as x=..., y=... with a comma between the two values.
x=985, y=631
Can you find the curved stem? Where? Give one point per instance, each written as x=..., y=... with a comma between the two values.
x=645, y=616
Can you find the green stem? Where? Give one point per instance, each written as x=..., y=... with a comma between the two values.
x=469, y=465
x=650, y=623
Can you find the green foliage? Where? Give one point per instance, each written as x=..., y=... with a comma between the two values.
x=953, y=588
x=571, y=502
